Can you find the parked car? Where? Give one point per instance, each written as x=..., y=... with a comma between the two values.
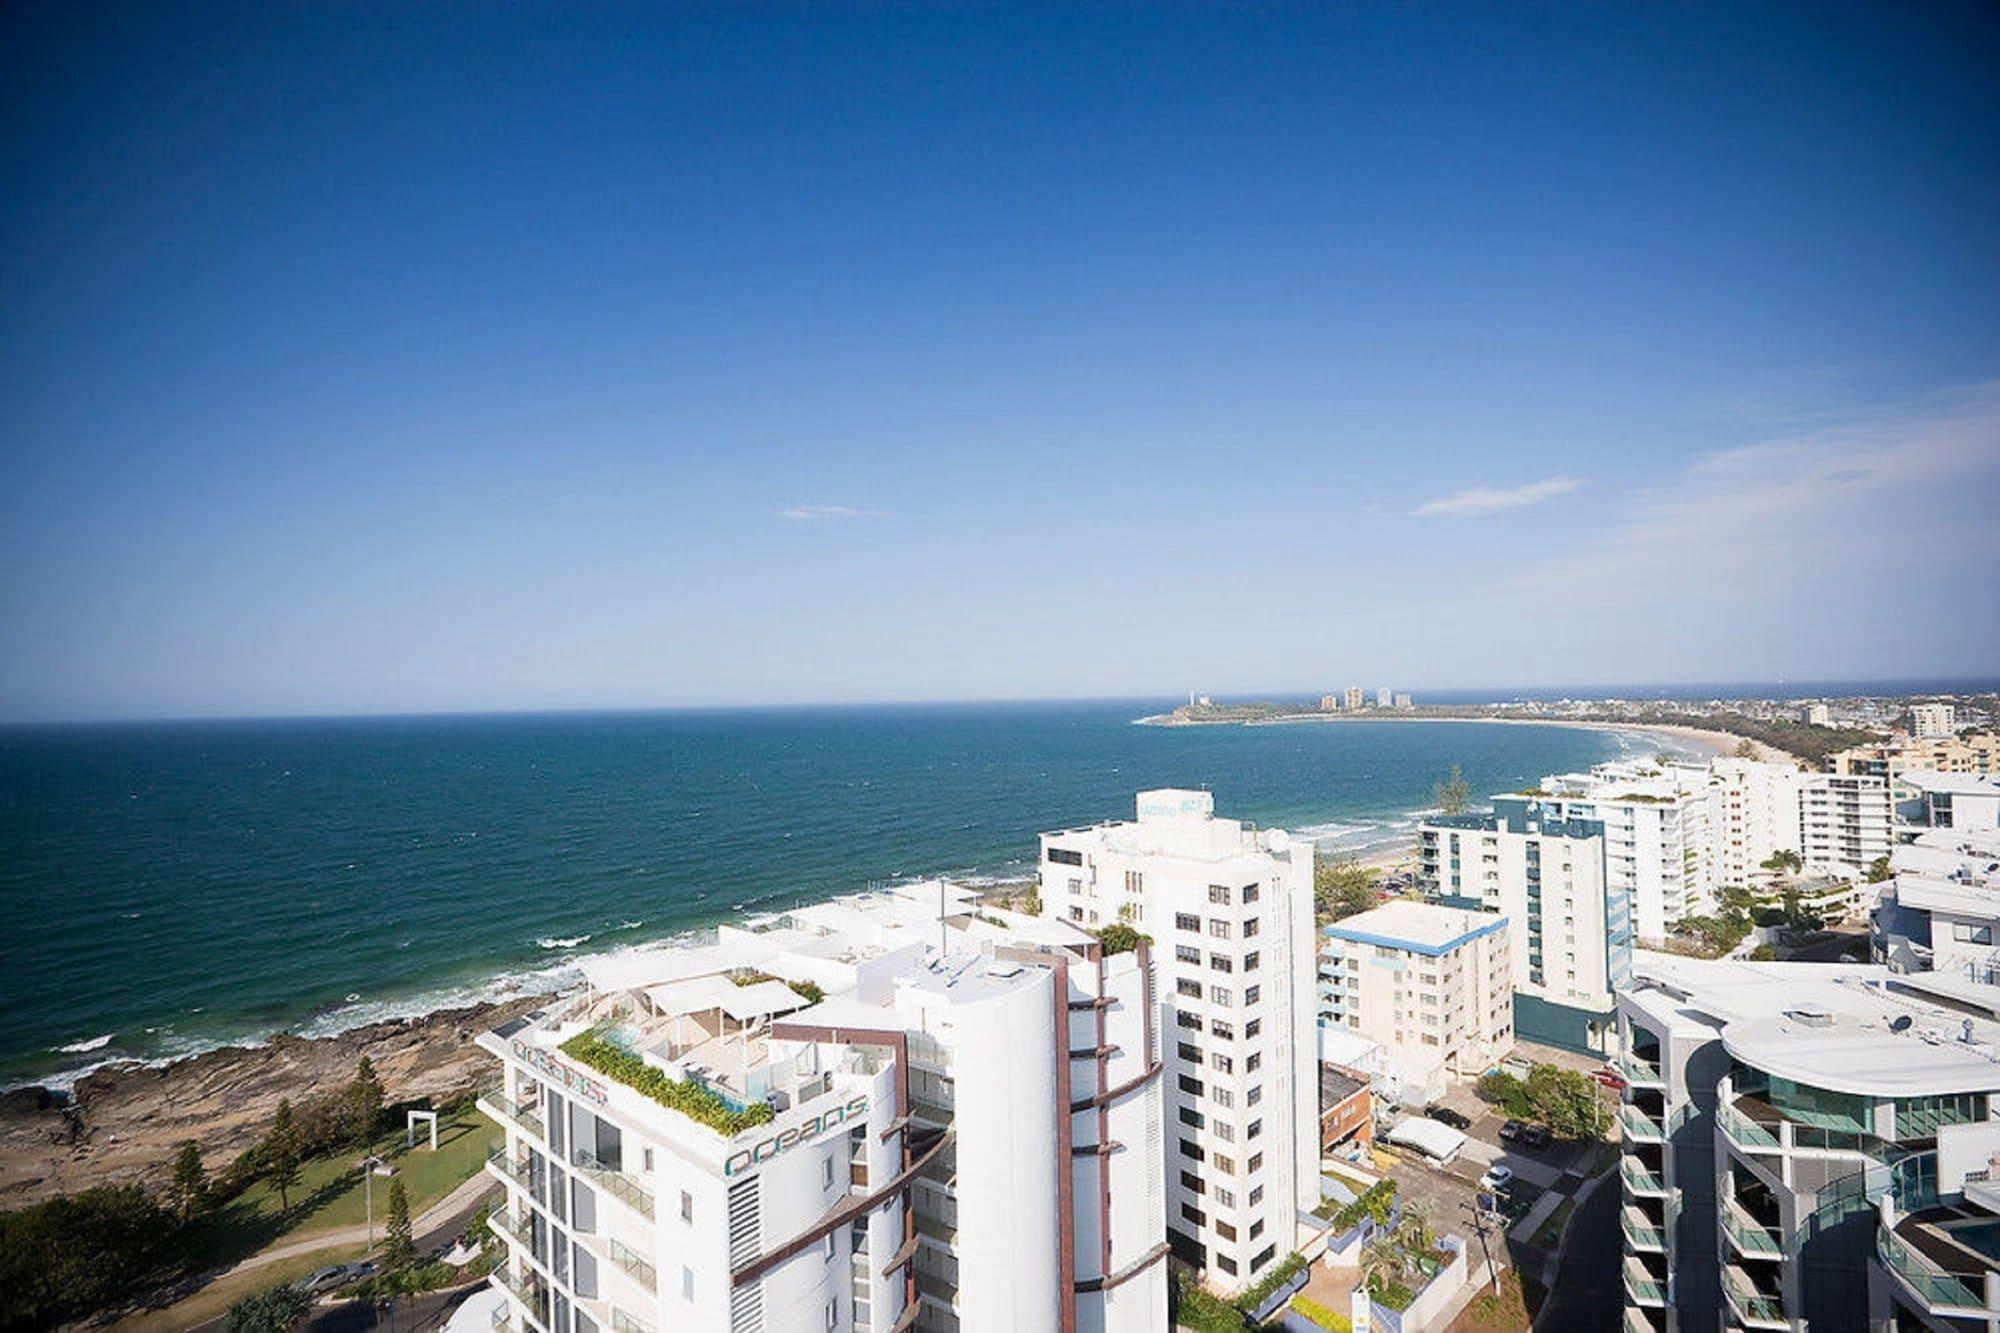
x=1445, y=1115
x=1497, y=1178
x=1609, y=1078
x=336, y=1275
x=1513, y=1132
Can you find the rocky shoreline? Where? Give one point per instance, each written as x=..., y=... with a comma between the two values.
x=123, y=1123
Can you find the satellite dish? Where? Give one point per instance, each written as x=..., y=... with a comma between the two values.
x=1900, y=1023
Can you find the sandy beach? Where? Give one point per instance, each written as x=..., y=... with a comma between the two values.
x=1709, y=742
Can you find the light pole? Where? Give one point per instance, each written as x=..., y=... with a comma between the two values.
x=1480, y=1220
x=371, y=1168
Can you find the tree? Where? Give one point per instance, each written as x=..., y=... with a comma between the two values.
x=275, y=1310
x=67, y=1257
x=1566, y=1102
x=398, y=1248
x=281, y=1154
x=364, y=1102
x=1746, y=749
x=1342, y=887
x=1783, y=860
x=1381, y=1262
x=1413, y=1229
x=1878, y=870
x=1454, y=794
x=1118, y=938
x=189, y=1190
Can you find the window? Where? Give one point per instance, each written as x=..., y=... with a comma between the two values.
x=1187, y=1020
x=1250, y=929
x=826, y=1172
x=647, y=1155
x=1191, y=1054
x=1256, y=1128
x=1219, y=929
x=1191, y=1086
x=1226, y=1264
x=1253, y=1061
x=1250, y=961
x=1256, y=1197
x=1219, y=995
x=1224, y=1230
x=1226, y=1031
x=1190, y=1116
x=1263, y=1257
x=830, y=1248
x=1223, y=1064
x=1186, y=953
x=1063, y=856
x=1257, y=1227
x=1226, y=1165
x=1253, y=1027
x=1252, y=994
x=1219, y=893
x=1249, y=893
x=1224, y=1130
x=1192, y=1214
x=1256, y=1160
x=1965, y=934
x=1186, y=921
x=1188, y=986
x=1256, y=1095
x=1220, y=963
x=1224, y=1199
x=687, y=1284
x=687, y=1204
x=1135, y=881
x=1222, y=1097
x=832, y=1315
x=1076, y=914
x=1191, y=1181
x=1189, y=1148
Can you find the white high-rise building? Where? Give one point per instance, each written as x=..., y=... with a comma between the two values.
x=1570, y=930
x=1385, y=697
x=1928, y=721
x=1230, y=913
x=1845, y=823
x=1432, y=985
x=1755, y=815
x=895, y=1110
x=1658, y=848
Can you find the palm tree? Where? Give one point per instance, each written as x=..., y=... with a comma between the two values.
x=1413, y=1231
x=1381, y=1262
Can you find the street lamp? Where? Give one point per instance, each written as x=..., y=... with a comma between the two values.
x=1481, y=1218
x=373, y=1167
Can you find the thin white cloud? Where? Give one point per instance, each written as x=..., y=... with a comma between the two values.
x=812, y=513
x=1481, y=500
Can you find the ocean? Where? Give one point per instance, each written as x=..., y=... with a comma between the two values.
x=172, y=887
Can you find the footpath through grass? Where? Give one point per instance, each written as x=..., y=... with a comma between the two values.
x=332, y=1192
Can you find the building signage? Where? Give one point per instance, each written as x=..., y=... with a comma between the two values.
x=804, y=1132
x=587, y=1088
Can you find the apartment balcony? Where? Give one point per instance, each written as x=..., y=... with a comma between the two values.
x=1951, y=1293
x=1748, y=1236
x=501, y=1108
x=512, y=1227
x=937, y=1287
x=1641, y=1073
x=1643, y=1285
x=615, y=1183
x=1744, y=1132
x=1640, y=1127
x=511, y=1171
x=1754, y=1306
x=938, y=1230
x=1641, y=1181
x=633, y=1266
x=527, y=1297
x=1641, y=1233
x=1639, y=1319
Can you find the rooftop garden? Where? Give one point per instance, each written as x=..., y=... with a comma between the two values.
x=591, y=1049
x=1119, y=938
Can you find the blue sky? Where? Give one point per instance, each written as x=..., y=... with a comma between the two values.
x=370, y=358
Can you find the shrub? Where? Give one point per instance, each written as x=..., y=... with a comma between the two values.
x=1331, y=1320
x=1375, y=1201
x=274, y=1310
x=1118, y=938
x=1260, y=1291
x=1189, y=1306
x=590, y=1049
x=66, y=1257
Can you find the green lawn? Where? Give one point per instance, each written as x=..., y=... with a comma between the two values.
x=331, y=1191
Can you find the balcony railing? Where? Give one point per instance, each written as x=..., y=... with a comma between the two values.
x=523, y=1291
x=506, y=1108
x=1644, y=1288
x=615, y=1183
x=625, y=1323
x=1937, y=1288
x=1753, y=1306
x=512, y=1170
x=1640, y=1230
x=1641, y=1181
x=1744, y=1132
x=1750, y=1236
x=641, y=1271
x=1641, y=1073
x=507, y=1224
x=1640, y=1126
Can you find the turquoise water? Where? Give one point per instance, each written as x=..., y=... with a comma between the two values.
x=168, y=887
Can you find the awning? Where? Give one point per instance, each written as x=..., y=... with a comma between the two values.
x=1431, y=1137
